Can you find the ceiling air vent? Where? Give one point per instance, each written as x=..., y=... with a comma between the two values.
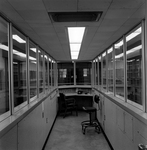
x=75, y=16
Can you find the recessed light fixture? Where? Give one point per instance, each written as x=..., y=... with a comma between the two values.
x=75, y=35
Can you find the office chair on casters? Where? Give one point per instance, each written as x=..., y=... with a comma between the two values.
x=93, y=122
x=68, y=104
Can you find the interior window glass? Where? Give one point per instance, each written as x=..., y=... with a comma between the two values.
x=110, y=69
x=119, y=69
x=53, y=77
x=65, y=73
x=33, y=69
x=134, y=66
x=41, y=57
x=49, y=73
x=104, y=70
x=19, y=67
x=83, y=73
x=4, y=72
x=100, y=72
x=46, y=72
x=96, y=73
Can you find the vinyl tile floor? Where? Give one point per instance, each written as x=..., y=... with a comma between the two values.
x=67, y=135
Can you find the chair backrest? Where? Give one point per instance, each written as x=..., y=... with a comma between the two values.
x=93, y=116
x=62, y=97
x=96, y=99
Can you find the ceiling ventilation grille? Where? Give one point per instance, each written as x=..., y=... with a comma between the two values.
x=75, y=16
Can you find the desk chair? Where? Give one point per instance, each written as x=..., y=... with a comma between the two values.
x=68, y=104
x=93, y=121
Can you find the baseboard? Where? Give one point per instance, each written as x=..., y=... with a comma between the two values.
x=106, y=137
x=49, y=133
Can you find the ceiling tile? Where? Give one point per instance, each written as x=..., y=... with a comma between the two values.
x=31, y=16
x=94, y=5
x=125, y=4
x=27, y=4
x=60, y=5
x=34, y=15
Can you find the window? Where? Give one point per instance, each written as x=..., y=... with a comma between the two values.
x=19, y=67
x=49, y=66
x=119, y=69
x=41, y=57
x=83, y=73
x=104, y=70
x=53, y=69
x=134, y=66
x=96, y=73
x=100, y=72
x=33, y=69
x=110, y=69
x=4, y=72
x=65, y=73
x=46, y=72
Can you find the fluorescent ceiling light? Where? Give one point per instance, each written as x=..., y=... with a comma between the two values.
x=75, y=47
x=45, y=56
x=18, y=39
x=75, y=35
x=20, y=54
x=134, y=49
x=74, y=57
x=119, y=44
x=4, y=47
x=130, y=60
x=34, y=62
x=104, y=54
x=33, y=49
x=110, y=50
x=129, y=51
x=133, y=34
x=119, y=55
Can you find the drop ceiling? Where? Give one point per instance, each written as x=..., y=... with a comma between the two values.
x=31, y=17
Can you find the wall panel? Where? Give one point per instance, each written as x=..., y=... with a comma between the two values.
x=30, y=131
x=110, y=121
x=140, y=133
x=9, y=140
x=123, y=129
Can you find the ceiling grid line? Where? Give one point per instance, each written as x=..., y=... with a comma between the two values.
x=101, y=22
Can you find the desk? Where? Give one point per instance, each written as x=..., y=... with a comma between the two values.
x=81, y=100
